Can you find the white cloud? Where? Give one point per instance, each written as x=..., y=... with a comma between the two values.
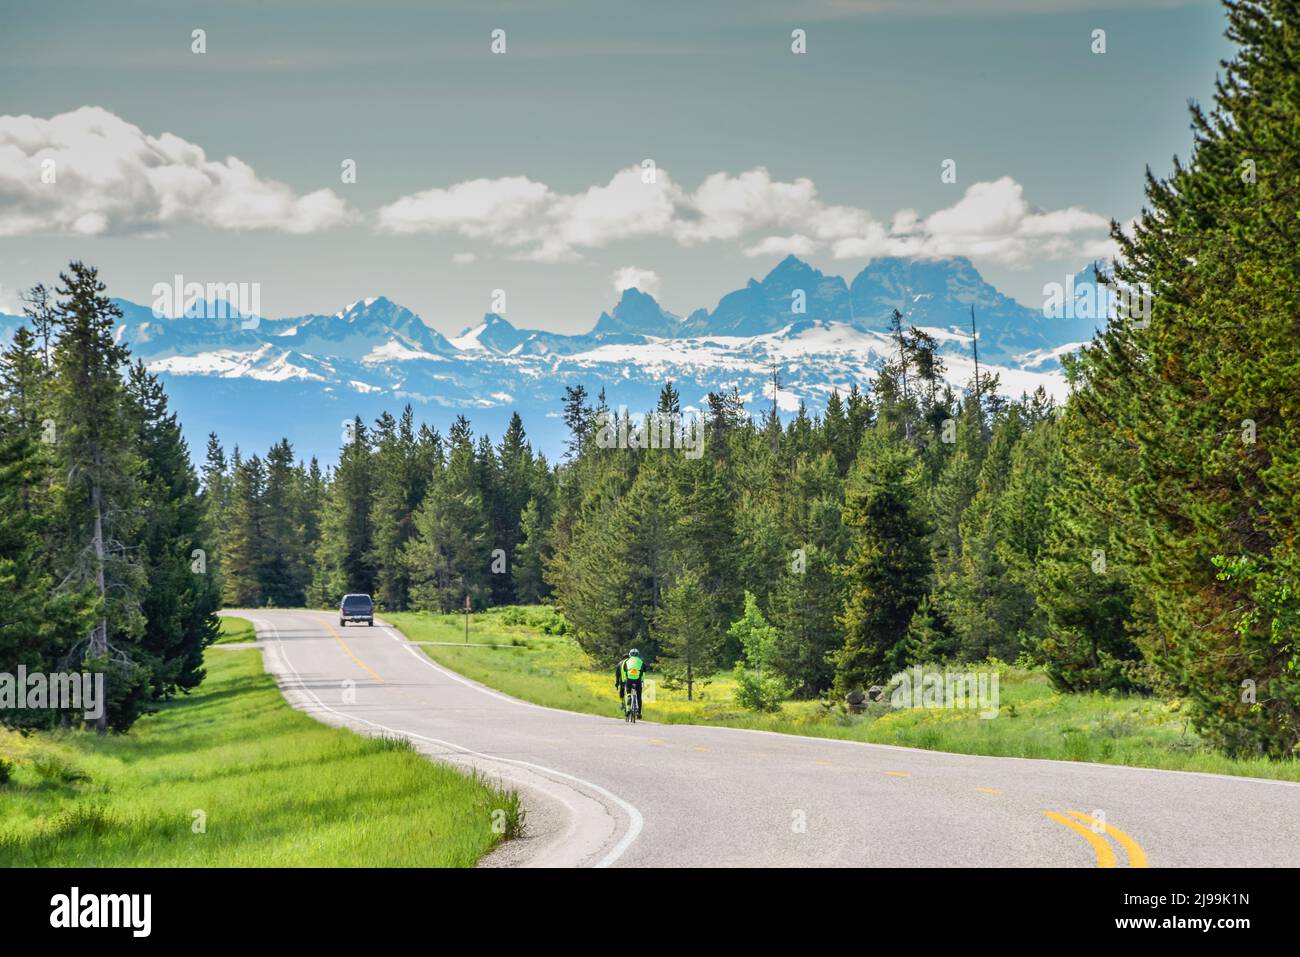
x=464, y=259
x=726, y=206
x=992, y=221
x=491, y=209
x=625, y=208
x=796, y=245
x=629, y=277
x=112, y=177
x=989, y=221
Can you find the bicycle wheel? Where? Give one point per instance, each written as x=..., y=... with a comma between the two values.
x=633, y=703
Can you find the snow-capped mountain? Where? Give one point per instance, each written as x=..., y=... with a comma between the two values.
x=255, y=380
x=355, y=332
x=636, y=315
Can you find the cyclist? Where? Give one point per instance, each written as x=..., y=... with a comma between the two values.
x=627, y=676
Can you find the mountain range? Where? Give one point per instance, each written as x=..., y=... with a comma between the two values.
x=256, y=380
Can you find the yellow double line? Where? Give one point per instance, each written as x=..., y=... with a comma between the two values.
x=359, y=663
x=1092, y=834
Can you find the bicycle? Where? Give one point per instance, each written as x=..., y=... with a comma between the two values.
x=631, y=705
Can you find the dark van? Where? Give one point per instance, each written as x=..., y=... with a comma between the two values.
x=357, y=608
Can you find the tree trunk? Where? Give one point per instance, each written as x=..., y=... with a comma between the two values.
x=98, y=646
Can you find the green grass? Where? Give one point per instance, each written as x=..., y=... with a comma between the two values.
x=1034, y=721
x=275, y=787
x=236, y=631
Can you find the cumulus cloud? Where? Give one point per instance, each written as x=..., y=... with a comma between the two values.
x=528, y=217
x=109, y=177
x=990, y=221
x=634, y=277
x=490, y=209
x=796, y=245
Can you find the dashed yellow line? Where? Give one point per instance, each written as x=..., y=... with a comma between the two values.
x=898, y=774
x=824, y=763
x=989, y=790
x=361, y=664
x=1105, y=856
x=1136, y=856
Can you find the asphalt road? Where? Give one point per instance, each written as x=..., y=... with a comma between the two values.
x=601, y=792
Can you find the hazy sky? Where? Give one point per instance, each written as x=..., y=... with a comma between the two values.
x=524, y=170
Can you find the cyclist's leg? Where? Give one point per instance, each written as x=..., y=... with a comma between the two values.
x=639, y=697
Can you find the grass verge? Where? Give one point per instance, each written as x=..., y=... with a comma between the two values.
x=1034, y=720
x=236, y=631
x=231, y=776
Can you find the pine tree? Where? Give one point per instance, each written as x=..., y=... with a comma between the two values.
x=100, y=514
x=687, y=638
x=393, y=512
x=809, y=595
x=1190, y=406
x=309, y=505
x=535, y=540
x=242, y=558
x=1082, y=584
x=988, y=611
x=838, y=436
x=577, y=417
x=344, y=562
x=610, y=581
x=216, y=502
x=703, y=535
x=449, y=557
x=282, y=570
x=43, y=315
x=181, y=600
x=40, y=619
x=887, y=571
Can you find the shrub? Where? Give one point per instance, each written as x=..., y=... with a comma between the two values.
x=84, y=817
x=758, y=692
x=50, y=767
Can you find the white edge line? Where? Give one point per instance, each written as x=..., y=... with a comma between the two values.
x=635, y=820
x=785, y=736
x=870, y=745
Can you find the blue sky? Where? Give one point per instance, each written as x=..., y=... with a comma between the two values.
x=479, y=171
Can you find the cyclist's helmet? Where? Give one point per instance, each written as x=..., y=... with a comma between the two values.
x=634, y=653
